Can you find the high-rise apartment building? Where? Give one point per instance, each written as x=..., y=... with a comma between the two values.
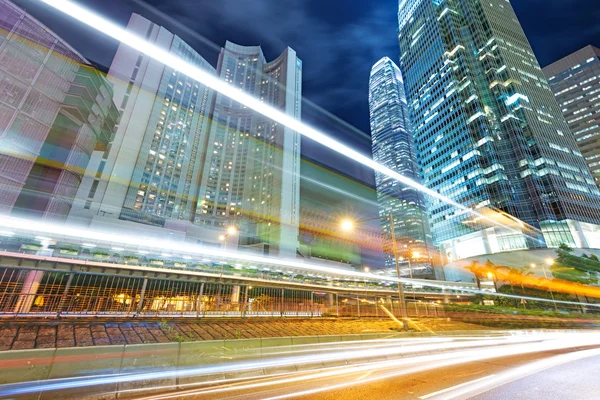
x=575, y=81
x=55, y=110
x=149, y=173
x=489, y=133
x=252, y=167
x=393, y=146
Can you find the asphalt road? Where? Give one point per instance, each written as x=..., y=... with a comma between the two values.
x=570, y=380
x=546, y=365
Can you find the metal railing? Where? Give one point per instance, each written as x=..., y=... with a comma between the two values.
x=34, y=292
x=79, y=253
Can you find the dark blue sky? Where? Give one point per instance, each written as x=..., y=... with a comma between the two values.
x=338, y=40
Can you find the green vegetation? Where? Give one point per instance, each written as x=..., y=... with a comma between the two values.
x=580, y=269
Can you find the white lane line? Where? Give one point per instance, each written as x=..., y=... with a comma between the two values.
x=455, y=387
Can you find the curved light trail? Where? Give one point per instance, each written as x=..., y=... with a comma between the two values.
x=117, y=32
x=400, y=357
x=10, y=225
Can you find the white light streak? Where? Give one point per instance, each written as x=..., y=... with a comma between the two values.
x=210, y=80
x=453, y=352
x=108, y=239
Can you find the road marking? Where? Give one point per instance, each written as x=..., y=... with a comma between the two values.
x=454, y=387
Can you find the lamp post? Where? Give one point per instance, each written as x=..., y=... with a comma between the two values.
x=348, y=225
x=231, y=230
x=548, y=261
x=492, y=276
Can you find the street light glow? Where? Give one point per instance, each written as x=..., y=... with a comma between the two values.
x=549, y=261
x=222, y=238
x=232, y=230
x=347, y=225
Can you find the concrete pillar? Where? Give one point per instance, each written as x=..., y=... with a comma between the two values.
x=486, y=242
x=578, y=235
x=28, y=292
x=329, y=301
x=199, y=302
x=453, y=252
x=140, y=305
x=235, y=298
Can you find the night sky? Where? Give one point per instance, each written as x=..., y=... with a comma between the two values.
x=338, y=41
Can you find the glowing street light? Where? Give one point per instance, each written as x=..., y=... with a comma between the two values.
x=232, y=230
x=366, y=269
x=347, y=225
x=222, y=238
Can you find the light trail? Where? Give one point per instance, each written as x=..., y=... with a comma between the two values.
x=399, y=367
x=478, y=386
x=110, y=29
x=436, y=362
x=116, y=32
x=346, y=354
x=109, y=239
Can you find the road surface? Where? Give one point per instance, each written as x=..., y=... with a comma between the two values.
x=536, y=365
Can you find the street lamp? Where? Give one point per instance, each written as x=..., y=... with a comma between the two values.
x=348, y=225
x=549, y=261
x=231, y=230
x=492, y=276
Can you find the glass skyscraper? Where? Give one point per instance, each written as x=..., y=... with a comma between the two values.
x=55, y=109
x=575, y=81
x=489, y=133
x=251, y=175
x=393, y=146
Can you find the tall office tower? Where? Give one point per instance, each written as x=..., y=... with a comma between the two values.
x=149, y=173
x=489, y=133
x=575, y=81
x=252, y=168
x=394, y=147
x=55, y=109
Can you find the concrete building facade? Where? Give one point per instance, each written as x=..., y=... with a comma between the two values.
x=149, y=173
x=251, y=177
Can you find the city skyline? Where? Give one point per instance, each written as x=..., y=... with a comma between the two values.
x=174, y=224
x=572, y=27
